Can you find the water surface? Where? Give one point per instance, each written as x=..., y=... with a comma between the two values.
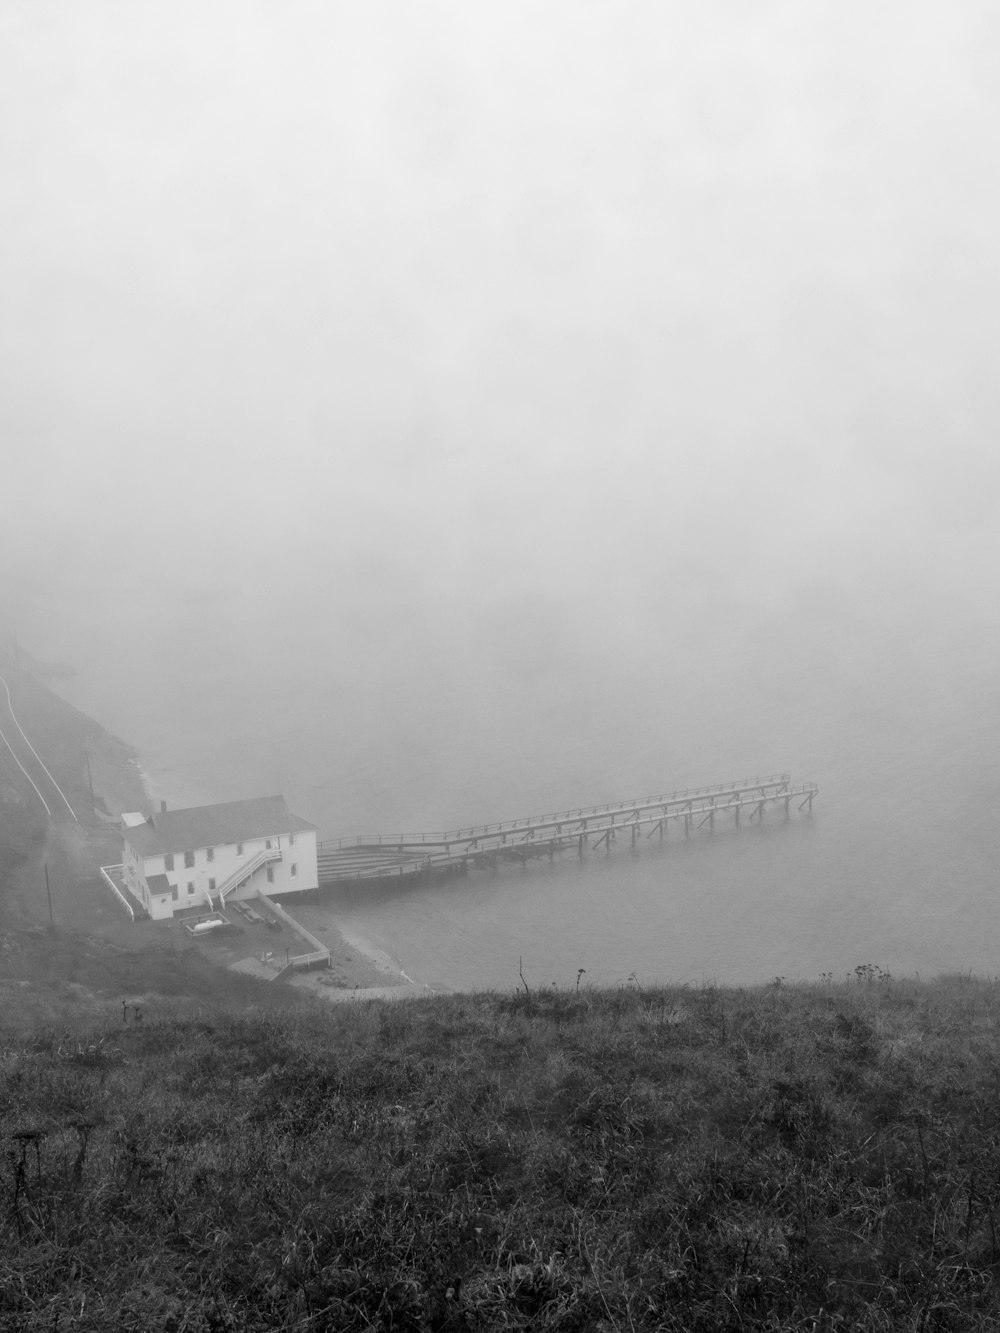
x=890, y=702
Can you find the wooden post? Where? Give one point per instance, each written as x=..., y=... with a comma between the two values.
x=90, y=779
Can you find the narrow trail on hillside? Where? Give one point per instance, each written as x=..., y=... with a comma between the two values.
x=28, y=760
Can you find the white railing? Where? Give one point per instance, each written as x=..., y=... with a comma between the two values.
x=242, y=873
x=279, y=914
x=775, y=784
x=356, y=861
x=105, y=871
x=307, y=959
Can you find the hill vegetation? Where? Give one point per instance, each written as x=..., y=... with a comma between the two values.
x=810, y=1158
x=212, y=1154
x=67, y=947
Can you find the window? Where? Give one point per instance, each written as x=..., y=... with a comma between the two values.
x=175, y=892
x=211, y=885
x=190, y=887
x=270, y=874
x=188, y=860
x=211, y=853
x=295, y=870
x=291, y=839
x=168, y=861
x=267, y=844
x=239, y=849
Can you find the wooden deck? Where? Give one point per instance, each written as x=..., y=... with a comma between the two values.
x=387, y=855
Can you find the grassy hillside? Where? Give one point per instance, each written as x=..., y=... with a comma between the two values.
x=809, y=1159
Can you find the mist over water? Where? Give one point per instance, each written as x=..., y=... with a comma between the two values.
x=439, y=426
x=894, y=712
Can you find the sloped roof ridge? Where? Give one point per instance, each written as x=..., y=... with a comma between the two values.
x=214, y=825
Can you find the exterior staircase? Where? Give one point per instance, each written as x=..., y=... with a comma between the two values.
x=242, y=873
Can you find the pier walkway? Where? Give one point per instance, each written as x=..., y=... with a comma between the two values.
x=385, y=855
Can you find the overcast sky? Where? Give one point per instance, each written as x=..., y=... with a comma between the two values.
x=529, y=290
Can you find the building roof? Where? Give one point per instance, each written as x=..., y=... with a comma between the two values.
x=157, y=884
x=214, y=825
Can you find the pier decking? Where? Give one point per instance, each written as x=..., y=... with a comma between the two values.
x=384, y=855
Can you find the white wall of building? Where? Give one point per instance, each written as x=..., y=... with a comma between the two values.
x=210, y=868
x=297, y=870
x=160, y=906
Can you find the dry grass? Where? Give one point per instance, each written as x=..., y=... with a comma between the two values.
x=785, y=1158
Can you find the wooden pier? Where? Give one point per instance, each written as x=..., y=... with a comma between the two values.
x=388, y=855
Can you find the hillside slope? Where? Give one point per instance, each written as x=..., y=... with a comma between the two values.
x=824, y=1158
x=55, y=968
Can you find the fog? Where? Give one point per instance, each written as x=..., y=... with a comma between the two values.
x=546, y=293
x=436, y=407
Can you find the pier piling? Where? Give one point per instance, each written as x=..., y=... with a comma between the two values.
x=379, y=856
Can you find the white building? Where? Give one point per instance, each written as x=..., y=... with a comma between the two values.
x=211, y=854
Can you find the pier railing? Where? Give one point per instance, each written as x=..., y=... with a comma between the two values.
x=382, y=855
x=776, y=783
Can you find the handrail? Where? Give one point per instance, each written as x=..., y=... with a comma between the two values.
x=248, y=868
x=779, y=781
x=300, y=960
x=348, y=861
x=115, y=889
x=286, y=918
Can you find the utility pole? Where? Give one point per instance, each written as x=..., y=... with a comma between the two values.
x=48, y=894
x=90, y=780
